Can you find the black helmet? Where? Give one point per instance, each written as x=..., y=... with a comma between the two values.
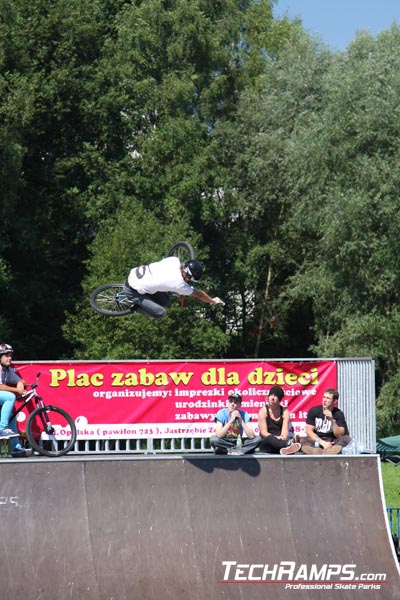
x=194, y=269
x=235, y=396
x=5, y=349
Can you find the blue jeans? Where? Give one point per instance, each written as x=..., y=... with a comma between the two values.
x=7, y=401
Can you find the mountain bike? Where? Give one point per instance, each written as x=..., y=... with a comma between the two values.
x=111, y=300
x=50, y=430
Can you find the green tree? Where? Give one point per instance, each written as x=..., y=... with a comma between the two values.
x=253, y=213
x=351, y=271
x=48, y=64
x=106, y=102
x=133, y=237
x=176, y=69
x=308, y=208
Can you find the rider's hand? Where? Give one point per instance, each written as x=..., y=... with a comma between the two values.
x=20, y=387
x=217, y=300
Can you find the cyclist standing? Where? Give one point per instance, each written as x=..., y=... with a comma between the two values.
x=151, y=286
x=10, y=385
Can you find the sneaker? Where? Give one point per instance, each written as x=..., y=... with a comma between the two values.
x=21, y=453
x=311, y=450
x=335, y=449
x=292, y=449
x=6, y=434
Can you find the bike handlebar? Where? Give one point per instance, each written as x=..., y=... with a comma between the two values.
x=32, y=386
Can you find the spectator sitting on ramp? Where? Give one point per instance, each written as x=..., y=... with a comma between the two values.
x=326, y=427
x=231, y=424
x=273, y=421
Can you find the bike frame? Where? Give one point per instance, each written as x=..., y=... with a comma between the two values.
x=31, y=395
x=40, y=423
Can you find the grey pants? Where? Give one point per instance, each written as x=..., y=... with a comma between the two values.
x=222, y=445
x=149, y=305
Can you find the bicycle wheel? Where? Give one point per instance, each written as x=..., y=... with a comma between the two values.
x=183, y=250
x=111, y=300
x=51, y=431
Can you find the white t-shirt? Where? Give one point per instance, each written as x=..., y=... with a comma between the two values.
x=162, y=276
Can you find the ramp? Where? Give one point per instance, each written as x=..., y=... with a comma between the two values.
x=195, y=528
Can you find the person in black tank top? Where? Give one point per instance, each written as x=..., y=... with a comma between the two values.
x=273, y=421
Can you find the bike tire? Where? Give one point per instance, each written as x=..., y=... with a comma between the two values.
x=40, y=422
x=110, y=299
x=183, y=250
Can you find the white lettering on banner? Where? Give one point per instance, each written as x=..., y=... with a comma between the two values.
x=201, y=404
x=188, y=416
x=222, y=393
x=305, y=392
x=138, y=431
x=108, y=394
x=174, y=398
x=194, y=416
x=194, y=393
x=217, y=404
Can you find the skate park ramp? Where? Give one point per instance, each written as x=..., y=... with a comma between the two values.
x=195, y=528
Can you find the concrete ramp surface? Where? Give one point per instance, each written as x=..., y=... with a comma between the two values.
x=195, y=528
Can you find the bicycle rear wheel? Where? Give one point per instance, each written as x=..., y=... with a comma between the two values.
x=51, y=431
x=111, y=300
x=183, y=250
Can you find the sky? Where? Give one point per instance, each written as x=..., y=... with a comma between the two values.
x=337, y=21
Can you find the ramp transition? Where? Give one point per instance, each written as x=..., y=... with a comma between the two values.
x=195, y=528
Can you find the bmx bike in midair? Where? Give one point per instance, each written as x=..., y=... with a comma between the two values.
x=110, y=299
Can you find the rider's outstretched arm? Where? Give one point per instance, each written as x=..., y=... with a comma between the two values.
x=200, y=295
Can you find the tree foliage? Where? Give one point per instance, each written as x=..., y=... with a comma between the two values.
x=309, y=207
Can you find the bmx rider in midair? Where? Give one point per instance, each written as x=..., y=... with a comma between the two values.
x=151, y=286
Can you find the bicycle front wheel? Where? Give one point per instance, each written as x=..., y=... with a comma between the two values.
x=111, y=300
x=51, y=431
x=183, y=250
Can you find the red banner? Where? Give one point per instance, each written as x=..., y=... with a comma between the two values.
x=121, y=400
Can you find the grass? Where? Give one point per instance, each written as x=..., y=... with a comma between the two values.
x=391, y=484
